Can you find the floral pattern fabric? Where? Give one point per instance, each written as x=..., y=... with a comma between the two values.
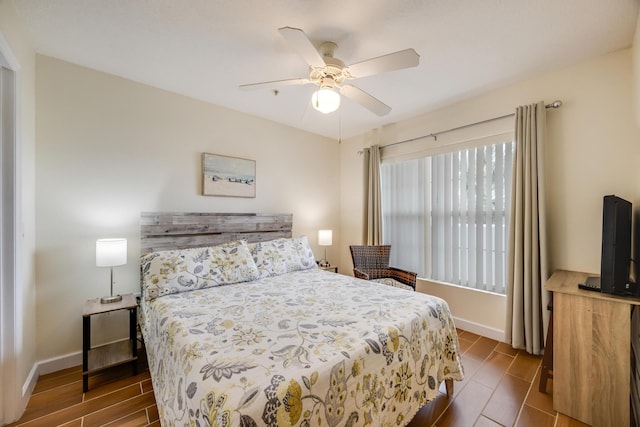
x=308, y=348
x=170, y=272
x=281, y=256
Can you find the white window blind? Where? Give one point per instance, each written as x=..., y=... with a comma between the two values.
x=447, y=215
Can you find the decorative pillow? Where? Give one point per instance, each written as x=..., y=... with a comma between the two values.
x=171, y=272
x=282, y=256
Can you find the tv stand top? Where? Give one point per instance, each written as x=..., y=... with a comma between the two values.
x=566, y=282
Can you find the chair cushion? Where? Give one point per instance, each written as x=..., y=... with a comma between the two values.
x=392, y=282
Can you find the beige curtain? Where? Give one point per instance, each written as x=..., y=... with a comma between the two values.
x=527, y=315
x=373, y=207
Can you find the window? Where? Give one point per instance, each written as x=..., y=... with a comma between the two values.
x=447, y=215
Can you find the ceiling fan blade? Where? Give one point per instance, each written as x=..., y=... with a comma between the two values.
x=394, y=61
x=367, y=101
x=275, y=84
x=301, y=43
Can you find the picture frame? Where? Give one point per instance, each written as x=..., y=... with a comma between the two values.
x=228, y=176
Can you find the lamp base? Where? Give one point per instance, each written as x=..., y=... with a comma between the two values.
x=323, y=263
x=111, y=299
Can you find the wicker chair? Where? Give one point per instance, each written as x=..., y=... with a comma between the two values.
x=372, y=263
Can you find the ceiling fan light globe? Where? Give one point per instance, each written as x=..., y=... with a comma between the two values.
x=325, y=100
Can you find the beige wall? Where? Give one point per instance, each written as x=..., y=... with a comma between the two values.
x=109, y=148
x=636, y=70
x=593, y=149
x=23, y=53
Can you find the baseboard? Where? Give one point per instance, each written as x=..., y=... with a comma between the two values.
x=30, y=382
x=59, y=363
x=479, y=329
x=41, y=368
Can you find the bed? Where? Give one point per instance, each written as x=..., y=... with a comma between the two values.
x=242, y=329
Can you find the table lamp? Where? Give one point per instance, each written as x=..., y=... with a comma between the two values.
x=324, y=239
x=111, y=253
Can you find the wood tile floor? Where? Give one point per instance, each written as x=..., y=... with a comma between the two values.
x=500, y=389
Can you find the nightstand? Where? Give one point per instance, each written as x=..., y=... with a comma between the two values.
x=106, y=356
x=330, y=268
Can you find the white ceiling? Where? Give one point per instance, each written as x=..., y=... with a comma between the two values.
x=206, y=48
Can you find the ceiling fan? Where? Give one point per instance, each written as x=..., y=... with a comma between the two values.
x=330, y=73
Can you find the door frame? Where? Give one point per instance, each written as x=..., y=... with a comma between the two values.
x=10, y=290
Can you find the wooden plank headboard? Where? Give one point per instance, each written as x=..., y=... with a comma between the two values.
x=181, y=230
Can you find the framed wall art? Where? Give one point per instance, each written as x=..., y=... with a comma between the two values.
x=228, y=176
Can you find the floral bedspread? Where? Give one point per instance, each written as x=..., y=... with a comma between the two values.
x=307, y=348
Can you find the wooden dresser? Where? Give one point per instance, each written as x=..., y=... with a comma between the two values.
x=592, y=352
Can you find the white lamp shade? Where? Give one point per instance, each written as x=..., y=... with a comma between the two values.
x=325, y=100
x=325, y=237
x=111, y=252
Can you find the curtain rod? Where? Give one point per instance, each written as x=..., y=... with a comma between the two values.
x=434, y=135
